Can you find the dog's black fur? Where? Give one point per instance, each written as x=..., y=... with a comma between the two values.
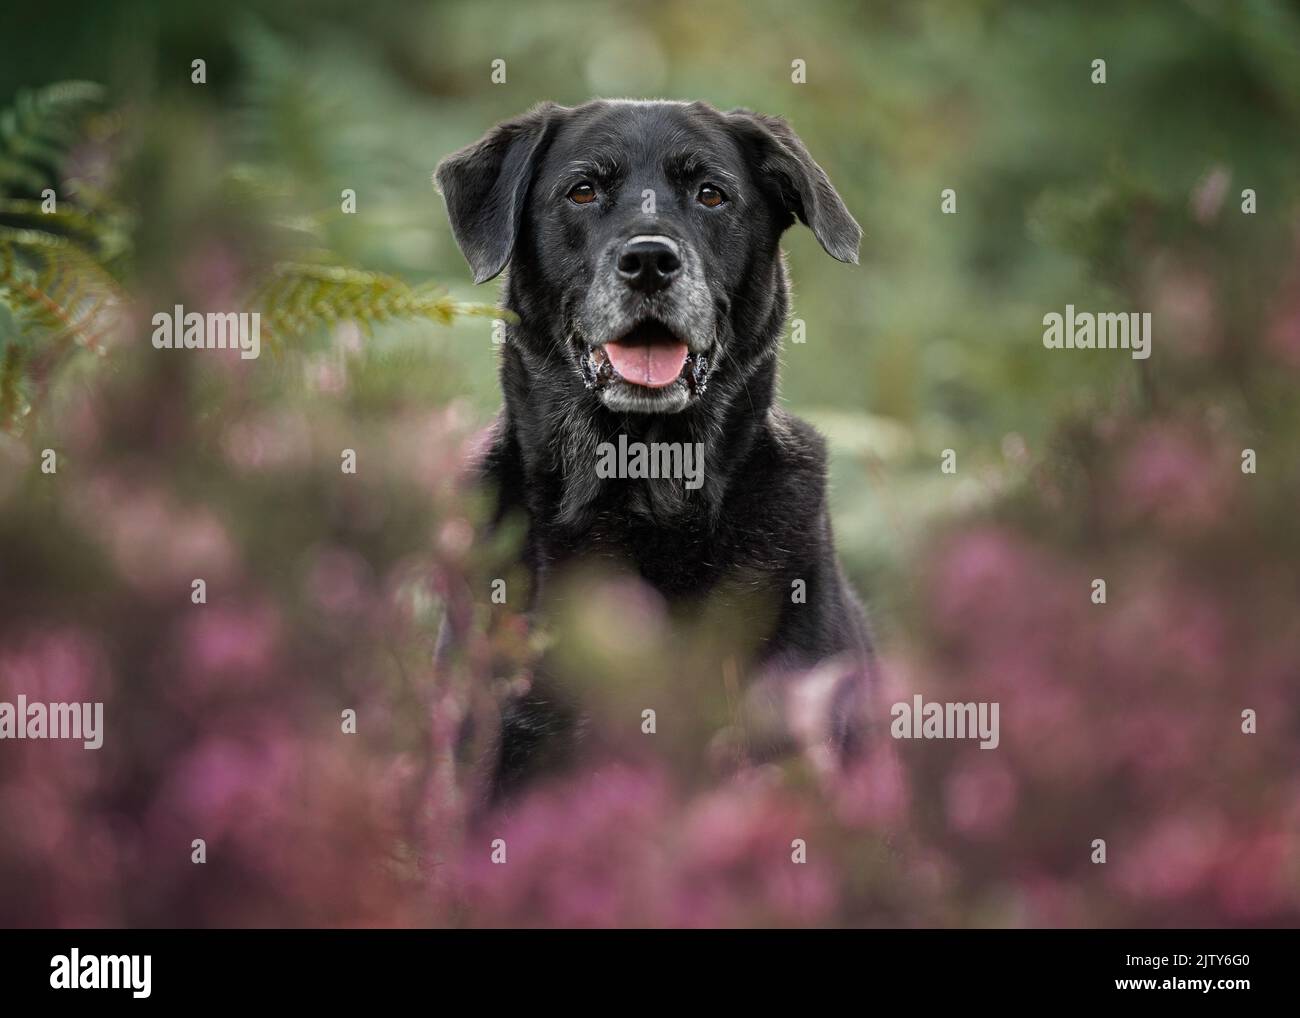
x=557, y=194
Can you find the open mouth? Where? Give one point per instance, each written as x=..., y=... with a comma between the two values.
x=650, y=357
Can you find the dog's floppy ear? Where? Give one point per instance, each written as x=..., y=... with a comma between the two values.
x=805, y=189
x=485, y=185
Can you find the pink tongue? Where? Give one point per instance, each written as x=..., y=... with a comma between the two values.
x=654, y=365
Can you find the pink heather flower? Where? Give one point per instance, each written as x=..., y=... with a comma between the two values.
x=1046, y=724
x=232, y=788
x=991, y=590
x=616, y=848
x=431, y=448
x=1171, y=860
x=154, y=540
x=456, y=538
x=1170, y=477
x=54, y=664
x=299, y=830
x=1183, y=302
x=1256, y=876
x=586, y=853
x=873, y=790
x=41, y=816
x=80, y=421
x=215, y=274
x=348, y=338
x=273, y=442
x=227, y=646
x=1282, y=334
x=339, y=581
x=736, y=865
x=979, y=570
x=1207, y=197
x=326, y=373
x=980, y=797
x=1051, y=902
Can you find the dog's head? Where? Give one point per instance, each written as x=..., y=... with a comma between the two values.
x=643, y=237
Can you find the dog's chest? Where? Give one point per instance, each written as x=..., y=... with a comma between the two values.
x=681, y=558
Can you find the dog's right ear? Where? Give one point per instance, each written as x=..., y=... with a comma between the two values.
x=485, y=185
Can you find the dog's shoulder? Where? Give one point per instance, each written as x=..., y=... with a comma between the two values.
x=795, y=449
x=781, y=488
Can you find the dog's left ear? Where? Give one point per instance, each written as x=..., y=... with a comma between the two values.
x=485, y=186
x=805, y=189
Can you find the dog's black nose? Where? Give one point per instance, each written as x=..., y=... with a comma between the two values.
x=649, y=263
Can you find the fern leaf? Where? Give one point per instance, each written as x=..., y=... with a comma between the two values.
x=52, y=284
x=38, y=129
x=300, y=297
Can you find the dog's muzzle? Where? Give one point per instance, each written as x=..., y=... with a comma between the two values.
x=646, y=333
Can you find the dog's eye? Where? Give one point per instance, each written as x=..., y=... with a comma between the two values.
x=581, y=194
x=710, y=197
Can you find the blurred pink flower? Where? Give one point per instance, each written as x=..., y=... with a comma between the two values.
x=736, y=856
x=339, y=581
x=980, y=797
x=215, y=274
x=585, y=854
x=154, y=540
x=54, y=663
x=1183, y=302
x=616, y=848
x=1256, y=878
x=1171, y=859
x=272, y=442
x=1282, y=331
x=1207, y=197
x=326, y=373
x=227, y=646
x=1173, y=479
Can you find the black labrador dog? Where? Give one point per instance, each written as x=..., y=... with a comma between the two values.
x=649, y=296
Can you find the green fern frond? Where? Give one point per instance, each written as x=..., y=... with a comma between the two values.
x=59, y=270
x=57, y=298
x=300, y=297
x=38, y=129
x=50, y=282
x=13, y=397
x=95, y=222
x=65, y=221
